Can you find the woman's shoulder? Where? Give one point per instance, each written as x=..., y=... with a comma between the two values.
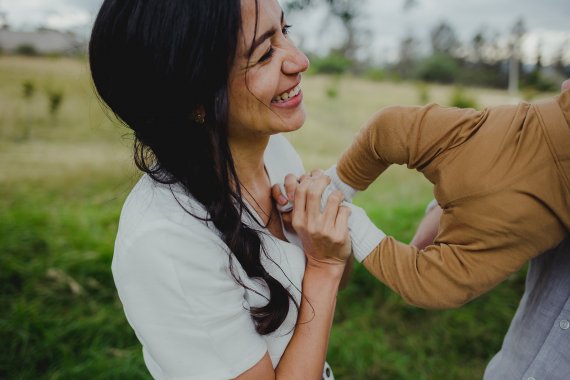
x=149, y=201
x=155, y=213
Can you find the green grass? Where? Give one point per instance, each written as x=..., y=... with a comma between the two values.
x=62, y=184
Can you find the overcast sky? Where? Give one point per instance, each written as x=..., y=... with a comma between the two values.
x=547, y=21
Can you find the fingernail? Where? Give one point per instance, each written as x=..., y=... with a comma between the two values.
x=282, y=200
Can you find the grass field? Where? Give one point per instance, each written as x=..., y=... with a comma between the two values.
x=63, y=179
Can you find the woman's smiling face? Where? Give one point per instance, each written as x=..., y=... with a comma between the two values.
x=264, y=85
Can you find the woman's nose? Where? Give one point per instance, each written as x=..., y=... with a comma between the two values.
x=295, y=62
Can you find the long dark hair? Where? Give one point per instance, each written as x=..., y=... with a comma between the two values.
x=153, y=62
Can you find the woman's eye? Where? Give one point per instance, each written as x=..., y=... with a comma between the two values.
x=270, y=51
x=267, y=55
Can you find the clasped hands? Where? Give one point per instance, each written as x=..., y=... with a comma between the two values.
x=320, y=222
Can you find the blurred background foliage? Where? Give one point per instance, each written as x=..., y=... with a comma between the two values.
x=62, y=184
x=487, y=59
x=66, y=170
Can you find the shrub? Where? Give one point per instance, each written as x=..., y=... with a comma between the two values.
x=28, y=89
x=537, y=81
x=461, y=100
x=27, y=49
x=376, y=74
x=438, y=68
x=55, y=98
x=334, y=63
x=332, y=89
x=423, y=92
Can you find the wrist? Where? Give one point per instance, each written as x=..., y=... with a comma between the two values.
x=325, y=269
x=365, y=236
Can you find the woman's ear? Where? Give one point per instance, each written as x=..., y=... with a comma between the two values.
x=199, y=114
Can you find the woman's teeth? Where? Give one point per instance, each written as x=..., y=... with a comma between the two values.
x=286, y=95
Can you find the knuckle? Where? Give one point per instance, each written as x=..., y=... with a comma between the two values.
x=323, y=180
x=302, y=189
x=314, y=194
x=336, y=241
x=316, y=173
x=336, y=197
x=298, y=226
x=313, y=191
x=313, y=230
x=291, y=183
x=290, y=178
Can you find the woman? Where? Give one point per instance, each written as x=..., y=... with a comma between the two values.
x=206, y=277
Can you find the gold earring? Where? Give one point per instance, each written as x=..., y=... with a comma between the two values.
x=199, y=114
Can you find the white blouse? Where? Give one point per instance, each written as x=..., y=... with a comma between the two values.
x=172, y=273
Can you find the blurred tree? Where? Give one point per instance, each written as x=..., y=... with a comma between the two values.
x=533, y=78
x=535, y=81
x=409, y=4
x=27, y=50
x=477, y=48
x=444, y=40
x=302, y=4
x=494, y=51
x=558, y=63
x=347, y=12
x=439, y=67
x=517, y=33
x=3, y=20
x=539, y=64
x=408, y=53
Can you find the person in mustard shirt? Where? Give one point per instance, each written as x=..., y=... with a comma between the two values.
x=502, y=185
x=500, y=175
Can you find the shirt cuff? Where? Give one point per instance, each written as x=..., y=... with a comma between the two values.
x=430, y=206
x=364, y=234
x=338, y=184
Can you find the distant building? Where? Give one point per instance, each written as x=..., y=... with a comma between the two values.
x=41, y=41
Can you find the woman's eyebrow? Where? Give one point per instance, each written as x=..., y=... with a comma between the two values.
x=263, y=37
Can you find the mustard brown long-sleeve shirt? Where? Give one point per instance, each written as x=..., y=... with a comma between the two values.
x=502, y=177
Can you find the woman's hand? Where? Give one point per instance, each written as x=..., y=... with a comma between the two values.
x=324, y=233
x=283, y=198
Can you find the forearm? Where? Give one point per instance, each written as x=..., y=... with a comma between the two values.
x=305, y=355
x=412, y=136
x=347, y=273
x=442, y=276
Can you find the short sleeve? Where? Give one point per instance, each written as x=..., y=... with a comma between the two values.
x=184, y=305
